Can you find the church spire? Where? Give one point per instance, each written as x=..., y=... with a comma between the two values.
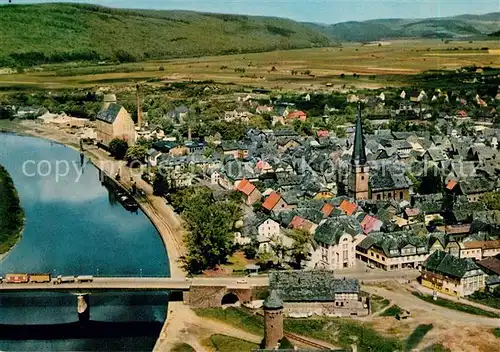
x=359, y=153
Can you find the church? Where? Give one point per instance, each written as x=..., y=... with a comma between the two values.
x=384, y=184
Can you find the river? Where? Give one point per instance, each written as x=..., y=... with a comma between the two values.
x=75, y=226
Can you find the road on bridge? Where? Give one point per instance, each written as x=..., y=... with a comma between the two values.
x=183, y=284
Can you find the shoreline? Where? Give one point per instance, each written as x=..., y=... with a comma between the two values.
x=94, y=158
x=6, y=254
x=19, y=235
x=153, y=208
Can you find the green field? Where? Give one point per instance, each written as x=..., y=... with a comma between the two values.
x=392, y=64
x=11, y=213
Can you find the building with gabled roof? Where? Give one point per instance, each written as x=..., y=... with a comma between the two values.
x=444, y=272
x=275, y=203
x=393, y=250
x=249, y=192
x=335, y=239
x=307, y=292
x=114, y=122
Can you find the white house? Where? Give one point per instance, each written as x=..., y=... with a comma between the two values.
x=336, y=244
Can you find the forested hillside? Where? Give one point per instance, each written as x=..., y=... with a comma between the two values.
x=35, y=34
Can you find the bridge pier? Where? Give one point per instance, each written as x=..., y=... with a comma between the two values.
x=83, y=308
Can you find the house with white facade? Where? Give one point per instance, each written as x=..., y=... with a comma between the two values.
x=336, y=249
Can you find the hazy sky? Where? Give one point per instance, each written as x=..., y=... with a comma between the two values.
x=325, y=11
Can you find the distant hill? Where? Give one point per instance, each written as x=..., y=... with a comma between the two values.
x=35, y=34
x=51, y=33
x=462, y=26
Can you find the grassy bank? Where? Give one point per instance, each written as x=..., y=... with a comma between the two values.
x=223, y=343
x=378, y=303
x=344, y=332
x=485, y=298
x=235, y=317
x=11, y=213
x=456, y=306
x=183, y=347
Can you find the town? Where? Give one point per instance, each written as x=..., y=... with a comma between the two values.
x=396, y=184
x=213, y=176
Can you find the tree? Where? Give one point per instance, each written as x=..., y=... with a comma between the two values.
x=160, y=184
x=210, y=228
x=250, y=249
x=496, y=292
x=136, y=155
x=6, y=113
x=300, y=248
x=118, y=148
x=492, y=200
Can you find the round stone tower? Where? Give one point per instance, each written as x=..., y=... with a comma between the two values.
x=273, y=320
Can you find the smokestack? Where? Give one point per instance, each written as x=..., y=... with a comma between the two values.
x=189, y=132
x=139, y=112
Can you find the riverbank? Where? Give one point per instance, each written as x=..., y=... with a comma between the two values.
x=162, y=216
x=11, y=214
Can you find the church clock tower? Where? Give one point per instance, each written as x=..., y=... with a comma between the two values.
x=359, y=172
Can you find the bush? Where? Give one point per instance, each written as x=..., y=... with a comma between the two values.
x=161, y=68
x=392, y=311
x=118, y=148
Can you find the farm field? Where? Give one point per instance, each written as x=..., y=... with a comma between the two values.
x=375, y=65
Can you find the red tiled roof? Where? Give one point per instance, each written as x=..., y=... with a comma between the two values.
x=245, y=187
x=368, y=223
x=322, y=133
x=348, y=207
x=297, y=115
x=271, y=201
x=451, y=185
x=296, y=222
x=327, y=209
x=261, y=164
x=412, y=211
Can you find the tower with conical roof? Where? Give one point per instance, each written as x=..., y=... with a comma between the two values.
x=273, y=320
x=359, y=172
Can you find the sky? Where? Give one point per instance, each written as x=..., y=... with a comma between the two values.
x=322, y=11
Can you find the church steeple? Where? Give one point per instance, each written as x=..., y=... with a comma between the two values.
x=359, y=171
x=359, y=154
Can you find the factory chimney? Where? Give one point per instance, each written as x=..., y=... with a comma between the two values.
x=139, y=108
